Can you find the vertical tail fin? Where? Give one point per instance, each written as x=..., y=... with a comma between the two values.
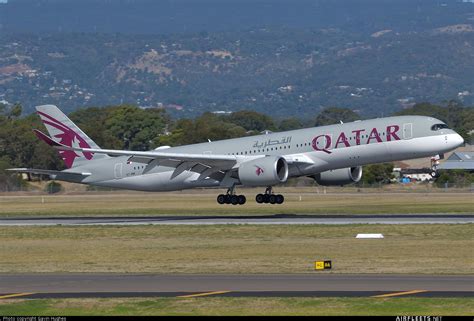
x=64, y=131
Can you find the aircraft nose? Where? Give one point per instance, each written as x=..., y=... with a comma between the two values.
x=458, y=140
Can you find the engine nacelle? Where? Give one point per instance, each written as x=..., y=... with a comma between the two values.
x=341, y=176
x=265, y=171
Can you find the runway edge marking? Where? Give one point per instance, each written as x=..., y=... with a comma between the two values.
x=14, y=295
x=202, y=294
x=398, y=293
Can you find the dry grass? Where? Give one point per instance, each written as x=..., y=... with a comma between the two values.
x=240, y=306
x=300, y=201
x=237, y=249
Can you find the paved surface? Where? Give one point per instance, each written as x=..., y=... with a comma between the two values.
x=186, y=285
x=263, y=219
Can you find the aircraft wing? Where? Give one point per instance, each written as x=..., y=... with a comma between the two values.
x=208, y=165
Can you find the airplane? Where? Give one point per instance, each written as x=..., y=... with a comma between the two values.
x=331, y=155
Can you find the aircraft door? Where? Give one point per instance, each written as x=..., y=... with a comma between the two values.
x=408, y=131
x=118, y=170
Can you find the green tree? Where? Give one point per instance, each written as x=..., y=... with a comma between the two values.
x=92, y=121
x=135, y=127
x=206, y=127
x=290, y=124
x=251, y=120
x=333, y=115
x=15, y=111
x=377, y=174
x=456, y=177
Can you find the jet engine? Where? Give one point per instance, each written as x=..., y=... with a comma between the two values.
x=265, y=171
x=341, y=176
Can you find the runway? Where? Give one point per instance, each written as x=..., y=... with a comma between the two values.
x=285, y=219
x=268, y=285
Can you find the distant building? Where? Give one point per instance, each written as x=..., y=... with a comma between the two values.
x=459, y=160
x=222, y=112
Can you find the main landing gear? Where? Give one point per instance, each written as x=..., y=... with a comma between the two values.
x=231, y=198
x=269, y=197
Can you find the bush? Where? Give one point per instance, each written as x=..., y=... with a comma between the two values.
x=53, y=187
x=456, y=177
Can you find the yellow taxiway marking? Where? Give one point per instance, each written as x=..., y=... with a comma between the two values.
x=14, y=295
x=202, y=294
x=398, y=293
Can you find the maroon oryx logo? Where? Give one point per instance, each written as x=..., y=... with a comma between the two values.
x=68, y=137
x=259, y=171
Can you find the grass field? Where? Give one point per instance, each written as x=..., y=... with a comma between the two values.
x=240, y=306
x=429, y=249
x=297, y=201
x=237, y=249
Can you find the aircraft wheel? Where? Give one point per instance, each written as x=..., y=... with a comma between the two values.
x=279, y=199
x=266, y=198
x=227, y=199
x=242, y=199
x=259, y=198
x=221, y=199
x=272, y=199
x=234, y=199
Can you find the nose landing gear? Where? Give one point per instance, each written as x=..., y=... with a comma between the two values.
x=434, y=165
x=269, y=197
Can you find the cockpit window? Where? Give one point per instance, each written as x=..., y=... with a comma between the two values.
x=438, y=126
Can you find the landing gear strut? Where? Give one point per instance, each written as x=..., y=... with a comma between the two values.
x=434, y=165
x=269, y=197
x=231, y=198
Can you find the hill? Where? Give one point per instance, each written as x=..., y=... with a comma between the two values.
x=288, y=58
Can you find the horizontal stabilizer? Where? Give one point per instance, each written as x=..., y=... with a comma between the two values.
x=46, y=172
x=45, y=138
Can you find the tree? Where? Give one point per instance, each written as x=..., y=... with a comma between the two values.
x=92, y=121
x=377, y=173
x=251, y=120
x=206, y=127
x=15, y=111
x=333, y=115
x=290, y=124
x=457, y=177
x=135, y=127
